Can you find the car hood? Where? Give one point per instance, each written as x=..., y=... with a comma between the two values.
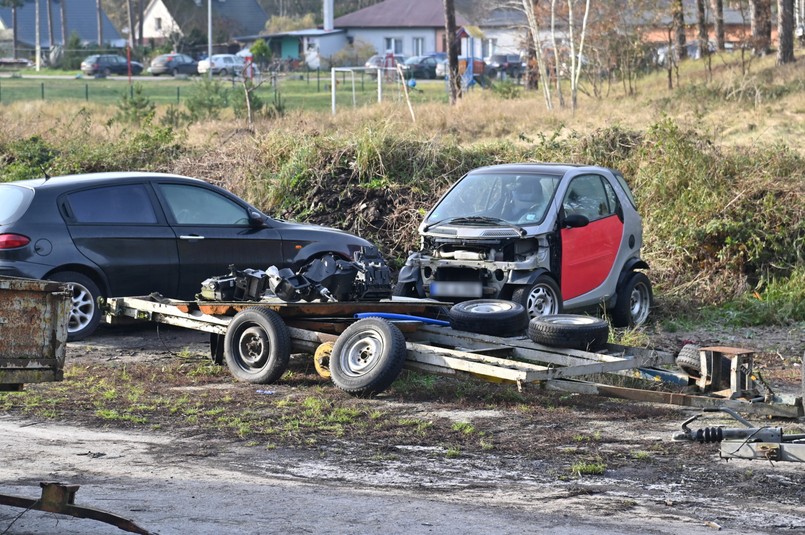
x=310, y=232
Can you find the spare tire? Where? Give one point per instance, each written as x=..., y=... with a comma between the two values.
x=496, y=317
x=690, y=362
x=569, y=330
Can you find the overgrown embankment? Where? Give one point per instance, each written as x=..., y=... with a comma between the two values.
x=720, y=222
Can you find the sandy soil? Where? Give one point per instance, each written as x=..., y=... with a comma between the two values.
x=182, y=480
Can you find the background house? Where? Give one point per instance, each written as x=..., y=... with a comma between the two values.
x=410, y=28
x=165, y=19
x=81, y=18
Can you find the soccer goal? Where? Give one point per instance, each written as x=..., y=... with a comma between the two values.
x=361, y=86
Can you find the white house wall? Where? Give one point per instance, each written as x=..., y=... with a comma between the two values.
x=157, y=10
x=377, y=38
x=330, y=44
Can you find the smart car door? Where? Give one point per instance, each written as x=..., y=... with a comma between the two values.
x=119, y=229
x=589, y=251
x=214, y=231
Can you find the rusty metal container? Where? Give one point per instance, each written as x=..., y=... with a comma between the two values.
x=33, y=331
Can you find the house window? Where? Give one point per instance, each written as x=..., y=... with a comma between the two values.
x=419, y=46
x=158, y=23
x=394, y=44
x=488, y=47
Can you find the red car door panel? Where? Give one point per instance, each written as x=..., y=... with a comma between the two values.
x=588, y=254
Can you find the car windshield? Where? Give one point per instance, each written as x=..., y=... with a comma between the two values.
x=516, y=198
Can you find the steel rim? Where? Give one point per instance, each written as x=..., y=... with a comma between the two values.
x=361, y=353
x=253, y=348
x=541, y=301
x=639, y=304
x=83, y=308
x=489, y=307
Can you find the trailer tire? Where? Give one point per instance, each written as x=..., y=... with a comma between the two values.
x=496, y=317
x=570, y=331
x=367, y=357
x=257, y=346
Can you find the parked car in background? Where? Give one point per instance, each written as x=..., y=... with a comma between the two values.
x=419, y=67
x=510, y=65
x=173, y=64
x=131, y=233
x=222, y=65
x=551, y=237
x=106, y=64
x=379, y=61
x=478, y=67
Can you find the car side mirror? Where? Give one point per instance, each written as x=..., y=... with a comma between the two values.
x=256, y=220
x=576, y=221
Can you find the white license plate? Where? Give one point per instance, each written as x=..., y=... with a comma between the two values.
x=456, y=289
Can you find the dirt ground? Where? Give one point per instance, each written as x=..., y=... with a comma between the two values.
x=437, y=455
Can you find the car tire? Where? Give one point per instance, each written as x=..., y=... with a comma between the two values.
x=107, y=72
x=569, y=331
x=496, y=317
x=634, y=300
x=85, y=314
x=257, y=346
x=175, y=73
x=541, y=298
x=222, y=73
x=367, y=357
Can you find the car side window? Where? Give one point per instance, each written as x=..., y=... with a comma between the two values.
x=129, y=204
x=192, y=205
x=588, y=196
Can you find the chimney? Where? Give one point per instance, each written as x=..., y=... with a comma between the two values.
x=328, y=15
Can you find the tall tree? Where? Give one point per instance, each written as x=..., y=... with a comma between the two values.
x=49, y=5
x=760, y=21
x=99, y=18
x=140, y=23
x=678, y=23
x=785, y=31
x=530, y=9
x=452, y=50
x=701, y=23
x=717, y=6
x=130, y=11
x=63, y=17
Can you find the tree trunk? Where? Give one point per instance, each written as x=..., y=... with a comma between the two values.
x=130, y=11
x=678, y=16
x=530, y=7
x=63, y=13
x=14, y=30
x=556, y=59
x=701, y=22
x=785, y=31
x=452, y=50
x=760, y=14
x=49, y=14
x=718, y=22
x=99, y=13
x=140, y=24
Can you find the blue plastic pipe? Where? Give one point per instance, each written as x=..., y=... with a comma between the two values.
x=406, y=317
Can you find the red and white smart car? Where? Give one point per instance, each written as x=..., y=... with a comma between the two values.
x=551, y=237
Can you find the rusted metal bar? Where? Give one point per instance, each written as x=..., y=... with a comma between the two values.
x=60, y=498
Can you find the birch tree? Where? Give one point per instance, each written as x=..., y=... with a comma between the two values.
x=576, y=58
x=63, y=16
x=717, y=7
x=529, y=8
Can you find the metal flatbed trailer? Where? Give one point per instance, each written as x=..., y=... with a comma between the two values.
x=364, y=356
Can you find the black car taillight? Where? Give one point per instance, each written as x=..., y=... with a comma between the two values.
x=12, y=241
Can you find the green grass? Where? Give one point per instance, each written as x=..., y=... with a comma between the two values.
x=310, y=93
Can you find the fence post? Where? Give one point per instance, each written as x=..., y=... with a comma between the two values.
x=177, y=94
x=86, y=92
x=318, y=80
x=42, y=88
x=131, y=91
x=1, y=92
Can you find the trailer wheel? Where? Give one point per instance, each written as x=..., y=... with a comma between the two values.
x=321, y=359
x=496, y=317
x=690, y=362
x=257, y=346
x=569, y=330
x=367, y=357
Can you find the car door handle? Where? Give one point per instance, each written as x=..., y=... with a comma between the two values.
x=191, y=237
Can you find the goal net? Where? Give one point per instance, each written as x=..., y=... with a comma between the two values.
x=351, y=87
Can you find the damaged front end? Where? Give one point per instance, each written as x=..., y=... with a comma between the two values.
x=366, y=278
x=479, y=266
